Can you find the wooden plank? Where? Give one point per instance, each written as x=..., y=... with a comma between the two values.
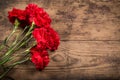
x=84, y=52
x=32, y=74
x=87, y=53
x=37, y=75
x=90, y=39
x=75, y=20
x=78, y=58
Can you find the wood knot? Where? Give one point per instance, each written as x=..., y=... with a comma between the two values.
x=58, y=58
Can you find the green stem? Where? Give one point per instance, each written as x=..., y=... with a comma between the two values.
x=11, y=66
x=19, y=43
x=1, y=76
x=19, y=62
x=7, y=38
x=23, y=43
x=18, y=37
x=28, y=34
x=5, y=58
x=18, y=46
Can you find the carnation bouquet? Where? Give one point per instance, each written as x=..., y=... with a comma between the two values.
x=35, y=24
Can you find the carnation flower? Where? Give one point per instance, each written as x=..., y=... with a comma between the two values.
x=32, y=13
x=37, y=15
x=36, y=24
x=40, y=34
x=39, y=58
x=18, y=14
x=53, y=39
x=46, y=37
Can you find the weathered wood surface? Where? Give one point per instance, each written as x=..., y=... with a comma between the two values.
x=90, y=39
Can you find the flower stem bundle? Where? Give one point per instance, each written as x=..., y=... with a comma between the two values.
x=35, y=24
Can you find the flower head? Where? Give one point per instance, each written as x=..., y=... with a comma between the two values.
x=39, y=58
x=38, y=15
x=18, y=14
x=53, y=39
x=47, y=38
x=32, y=13
x=39, y=22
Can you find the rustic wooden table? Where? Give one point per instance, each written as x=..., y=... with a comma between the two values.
x=90, y=39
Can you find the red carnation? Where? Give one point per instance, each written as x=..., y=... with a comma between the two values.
x=47, y=38
x=40, y=34
x=18, y=14
x=38, y=15
x=39, y=58
x=32, y=13
x=53, y=39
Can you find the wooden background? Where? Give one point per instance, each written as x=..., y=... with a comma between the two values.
x=90, y=39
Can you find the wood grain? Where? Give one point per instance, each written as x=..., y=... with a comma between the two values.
x=81, y=58
x=90, y=39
